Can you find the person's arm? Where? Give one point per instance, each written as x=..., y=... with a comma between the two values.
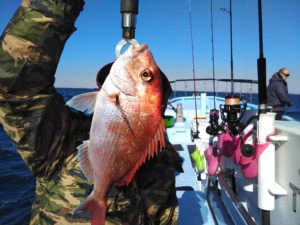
x=32, y=112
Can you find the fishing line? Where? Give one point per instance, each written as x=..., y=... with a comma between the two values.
x=194, y=77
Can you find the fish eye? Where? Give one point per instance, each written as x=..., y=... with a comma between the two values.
x=147, y=75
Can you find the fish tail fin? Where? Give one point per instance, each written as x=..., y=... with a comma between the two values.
x=96, y=207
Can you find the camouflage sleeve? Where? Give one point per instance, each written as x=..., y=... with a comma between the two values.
x=151, y=197
x=45, y=131
x=31, y=111
x=34, y=114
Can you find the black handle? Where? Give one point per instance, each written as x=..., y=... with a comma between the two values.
x=129, y=10
x=129, y=6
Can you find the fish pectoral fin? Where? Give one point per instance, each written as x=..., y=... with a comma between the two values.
x=152, y=149
x=84, y=102
x=83, y=158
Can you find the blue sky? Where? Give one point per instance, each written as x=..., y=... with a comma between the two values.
x=164, y=26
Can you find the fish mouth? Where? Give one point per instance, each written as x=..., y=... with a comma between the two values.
x=123, y=80
x=141, y=48
x=138, y=50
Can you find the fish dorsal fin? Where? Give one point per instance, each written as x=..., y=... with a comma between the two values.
x=83, y=158
x=84, y=102
x=148, y=153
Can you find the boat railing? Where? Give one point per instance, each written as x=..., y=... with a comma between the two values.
x=245, y=88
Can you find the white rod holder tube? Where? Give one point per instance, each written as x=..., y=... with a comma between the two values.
x=266, y=162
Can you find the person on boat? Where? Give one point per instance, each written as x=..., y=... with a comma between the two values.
x=46, y=132
x=277, y=92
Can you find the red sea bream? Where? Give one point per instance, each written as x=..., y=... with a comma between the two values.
x=126, y=128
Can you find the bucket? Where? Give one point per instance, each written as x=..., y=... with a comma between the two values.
x=169, y=121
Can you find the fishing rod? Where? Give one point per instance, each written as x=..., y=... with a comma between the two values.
x=129, y=11
x=213, y=51
x=232, y=105
x=194, y=77
x=214, y=127
x=231, y=51
x=261, y=67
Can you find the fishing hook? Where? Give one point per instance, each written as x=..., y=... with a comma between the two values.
x=123, y=42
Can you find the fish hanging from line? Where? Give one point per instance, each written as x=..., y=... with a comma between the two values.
x=127, y=126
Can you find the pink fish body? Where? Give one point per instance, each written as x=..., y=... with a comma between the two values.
x=126, y=128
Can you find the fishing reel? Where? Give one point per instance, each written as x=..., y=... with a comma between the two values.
x=214, y=128
x=231, y=113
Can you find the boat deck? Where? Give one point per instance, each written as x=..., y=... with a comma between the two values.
x=194, y=209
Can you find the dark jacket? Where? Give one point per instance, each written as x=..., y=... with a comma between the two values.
x=278, y=93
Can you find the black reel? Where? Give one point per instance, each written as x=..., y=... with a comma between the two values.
x=248, y=150
x=232, y=113
x=214, y=127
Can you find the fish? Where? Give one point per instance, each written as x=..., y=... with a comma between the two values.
x=127, y=126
